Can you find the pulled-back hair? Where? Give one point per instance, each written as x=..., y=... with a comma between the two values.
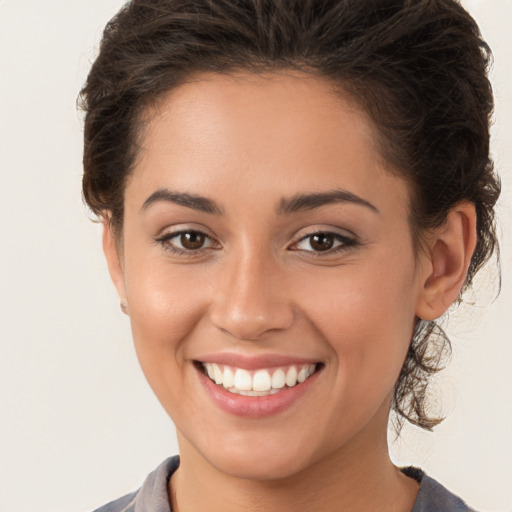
x=418, y=68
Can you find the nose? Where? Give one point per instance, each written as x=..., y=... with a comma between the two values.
x=252, y=300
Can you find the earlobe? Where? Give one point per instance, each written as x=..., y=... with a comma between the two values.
x=449, y=253
x=114, y=262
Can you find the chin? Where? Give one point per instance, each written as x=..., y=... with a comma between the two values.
x=264, y=465
x=255, y=455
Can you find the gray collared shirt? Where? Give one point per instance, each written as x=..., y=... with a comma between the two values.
x=153, y=497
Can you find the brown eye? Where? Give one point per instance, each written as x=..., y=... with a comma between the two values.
x=324, y=242
x=187, y=242
x=192, y=240
x=321, y=241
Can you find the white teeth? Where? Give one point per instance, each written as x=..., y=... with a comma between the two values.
x=228, y=378
x=278, y=379
x=261, y=382
x=302, y=375
x=243, y=380
x=217, y=374
x=291, y=376
x=249, y=393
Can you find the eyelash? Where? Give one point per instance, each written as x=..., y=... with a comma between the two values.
x=345, y=243
x=165, y=241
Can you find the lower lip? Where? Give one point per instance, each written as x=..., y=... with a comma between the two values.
x=255, y=406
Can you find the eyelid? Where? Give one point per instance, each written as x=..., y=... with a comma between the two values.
x=169, y=233
x=184, y=228
x=347, y=239
x=327, y=230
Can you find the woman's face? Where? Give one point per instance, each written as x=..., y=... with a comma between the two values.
x=264, y=241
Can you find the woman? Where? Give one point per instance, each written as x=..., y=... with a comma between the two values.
x=292, y=193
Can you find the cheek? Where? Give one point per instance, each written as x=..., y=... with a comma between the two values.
x=361, y=299
x=166, y=304
x=166, y=308
x=367, y=322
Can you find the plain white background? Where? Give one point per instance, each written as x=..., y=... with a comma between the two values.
x=78, y=424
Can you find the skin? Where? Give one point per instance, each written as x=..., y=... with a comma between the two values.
x=258, y=286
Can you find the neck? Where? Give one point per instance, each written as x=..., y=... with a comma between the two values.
x=359, y=477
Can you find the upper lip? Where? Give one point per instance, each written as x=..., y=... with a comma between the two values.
x=253, y=362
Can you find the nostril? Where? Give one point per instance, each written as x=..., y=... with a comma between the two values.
x=251, y=300
x=252, y=323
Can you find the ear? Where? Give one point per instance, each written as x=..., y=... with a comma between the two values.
x=449, y=252
x=114, y=261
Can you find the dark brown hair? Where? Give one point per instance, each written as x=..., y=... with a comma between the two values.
x=417, y=67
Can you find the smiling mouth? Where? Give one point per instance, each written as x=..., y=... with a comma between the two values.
x=260, y=382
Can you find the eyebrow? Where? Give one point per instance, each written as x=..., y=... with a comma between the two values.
x=297, y=203
x=193, y=201
x=302, y=202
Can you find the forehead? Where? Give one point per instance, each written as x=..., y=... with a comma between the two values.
x=245, y=103
x=268, y=132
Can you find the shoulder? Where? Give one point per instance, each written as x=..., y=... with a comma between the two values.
x=151, y=496
x=433, y=497
x=124, y=504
